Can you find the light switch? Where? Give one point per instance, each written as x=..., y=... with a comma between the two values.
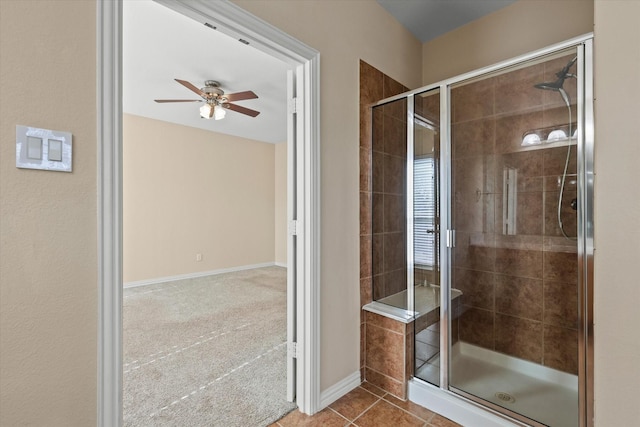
x=34, y=148
x=44, y=149
x=55, y=150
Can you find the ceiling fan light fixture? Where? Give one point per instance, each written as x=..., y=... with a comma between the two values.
x=219, y=113
x=206, y=111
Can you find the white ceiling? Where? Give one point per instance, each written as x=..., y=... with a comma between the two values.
x=161, y=45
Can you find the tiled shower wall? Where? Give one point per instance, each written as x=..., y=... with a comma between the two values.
x=519, y=291
x=382, y=237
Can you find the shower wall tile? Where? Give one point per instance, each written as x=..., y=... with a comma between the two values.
x=377, y=171
x=395, y=136
x=519, y=297
x=384, y=322
x=388, y=384
x=392, y=87
x=377, y=216
x=395, y=281
x=567, y=214
x=394, y=174
x=477, y=326
x=385, y=352
x=510, y=130
x=521, y=263
x=555, y=158
x=365, y=169
x=377, y=130
x=394, y=251
x=515, y=90
x=371, y=88
x=560, y=116
x=519, y=337
x=473, y=101
x=561, y=304
x=366, y=290
x=528, y=165
x=475, y=251
x=478, y=288
x=561, y=266
x=377, y=254
x=378, y=287
x=474, y=138
x=394, y=213
x=365, y=256
x=561, y=349
x=365, y=212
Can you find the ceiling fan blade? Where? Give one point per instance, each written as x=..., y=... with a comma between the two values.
x=243, y=110
x=191, y=87
x=239, y=96
x=178, y=100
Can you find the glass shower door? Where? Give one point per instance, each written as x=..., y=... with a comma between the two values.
x=426, y=234
x=513, y=201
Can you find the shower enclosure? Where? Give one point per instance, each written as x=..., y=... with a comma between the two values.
x=482, y=233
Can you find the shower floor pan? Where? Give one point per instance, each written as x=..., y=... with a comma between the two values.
x=540, y=393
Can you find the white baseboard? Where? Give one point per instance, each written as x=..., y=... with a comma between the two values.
x=336, y=391
x=194, y=275
x=281, y=264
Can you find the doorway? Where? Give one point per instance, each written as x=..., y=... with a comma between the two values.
x=303, y=159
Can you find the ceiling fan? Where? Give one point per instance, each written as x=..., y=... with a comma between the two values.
x=216, y=101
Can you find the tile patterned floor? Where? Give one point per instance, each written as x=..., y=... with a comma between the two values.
x=367, y=406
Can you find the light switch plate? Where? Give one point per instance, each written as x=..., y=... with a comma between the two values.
x=43, y=149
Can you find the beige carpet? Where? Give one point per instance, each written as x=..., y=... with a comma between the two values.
x=206, y=352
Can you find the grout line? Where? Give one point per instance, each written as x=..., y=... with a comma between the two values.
x=411, y=413
x=367, y=409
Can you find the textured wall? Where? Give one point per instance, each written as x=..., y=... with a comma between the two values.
x=343, y=32
x=617, y=210
x=48, y=247
x=188, y=191
x=521, y=27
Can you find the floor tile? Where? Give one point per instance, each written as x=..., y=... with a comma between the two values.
x=354, y=403
x=384, y=414
x=417, y=410
x=440, y=421
x=373, y=389
x=324, y=418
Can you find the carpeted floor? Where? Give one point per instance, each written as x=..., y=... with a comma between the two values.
x=208, y=352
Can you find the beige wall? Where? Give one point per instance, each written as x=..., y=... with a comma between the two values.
x=280, y=237
x=189, y=191
x=522, y=27
x=343, y=32
x=48, y=284
x=48, y=229
x=617, y=212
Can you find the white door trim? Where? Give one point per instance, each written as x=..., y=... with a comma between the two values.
x=236, y=22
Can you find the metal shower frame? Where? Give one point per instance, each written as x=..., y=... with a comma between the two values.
x=585, y=144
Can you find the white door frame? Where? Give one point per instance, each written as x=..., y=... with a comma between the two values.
x=305, y=62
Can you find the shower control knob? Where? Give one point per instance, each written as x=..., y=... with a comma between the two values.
x=430, y=231
x=574, y=204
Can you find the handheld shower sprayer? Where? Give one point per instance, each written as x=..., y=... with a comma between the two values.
x=557, y=86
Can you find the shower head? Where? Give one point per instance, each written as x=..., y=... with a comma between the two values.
x=562, y=76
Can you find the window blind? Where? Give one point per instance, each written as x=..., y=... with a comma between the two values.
x=424, y=211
